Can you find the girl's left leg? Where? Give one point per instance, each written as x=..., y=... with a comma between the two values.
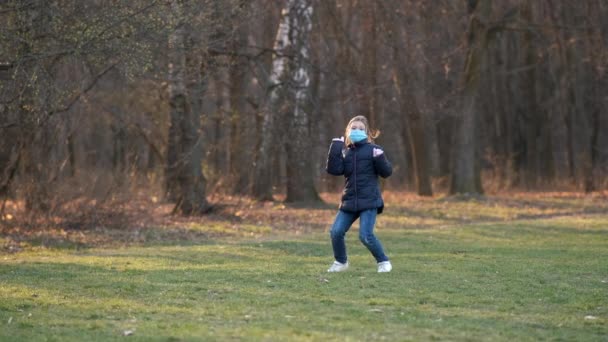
x=367, y=220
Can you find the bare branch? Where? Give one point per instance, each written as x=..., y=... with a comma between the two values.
x=84, y=91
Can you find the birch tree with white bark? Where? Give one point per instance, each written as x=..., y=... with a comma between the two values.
x=287, y=116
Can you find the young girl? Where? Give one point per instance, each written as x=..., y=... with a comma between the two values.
x=361, y=162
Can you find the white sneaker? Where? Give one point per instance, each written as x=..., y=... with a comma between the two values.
x=338, y=267
x=384, y=266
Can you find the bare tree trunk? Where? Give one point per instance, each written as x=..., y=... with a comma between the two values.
x=416, y=125
x=581, y=120
x=415, y=132
x=263, y=172
x=300, y=175
x=185, y=180
x=177, y=103
x=367, y=86
x=559, y=118
x=466, y=177
x=238, y=118
x=288, y=98
x=219, y=146
x=31, y=78
x=528, y=102
x=573, y=84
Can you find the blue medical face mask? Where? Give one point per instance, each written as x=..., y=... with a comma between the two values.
x=357, y=135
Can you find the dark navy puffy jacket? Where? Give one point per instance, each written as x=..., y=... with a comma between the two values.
x=361, y=169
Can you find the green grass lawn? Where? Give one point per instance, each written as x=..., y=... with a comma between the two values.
x=462, y=271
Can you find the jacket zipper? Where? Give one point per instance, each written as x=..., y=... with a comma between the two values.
x=356, y=195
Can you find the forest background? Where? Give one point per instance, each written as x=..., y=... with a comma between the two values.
x=180, y=100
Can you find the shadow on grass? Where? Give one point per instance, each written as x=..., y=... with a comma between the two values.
x=425, y=214
x=253, y=219
x=320, y=204
x=474, y=214
x=298, y=248
x=61, y=239
x=541, y=230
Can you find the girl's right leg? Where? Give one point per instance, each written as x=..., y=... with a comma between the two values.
x=367, y=237
x=344, y=220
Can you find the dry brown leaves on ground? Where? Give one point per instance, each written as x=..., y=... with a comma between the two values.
x=143, y=219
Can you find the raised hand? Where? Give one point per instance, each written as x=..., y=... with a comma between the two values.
x=377, y=152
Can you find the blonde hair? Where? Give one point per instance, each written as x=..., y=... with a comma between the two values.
x=371, y=133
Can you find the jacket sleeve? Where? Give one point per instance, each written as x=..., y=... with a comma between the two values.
x=382, y=166
x=335, y=161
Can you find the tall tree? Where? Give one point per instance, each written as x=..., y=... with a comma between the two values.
x=367, y=67
x=532, y=115
x=414, y=126
x=239, y=123
x=300, y=175
x=263, y=172
x=288, y=108
x=185, y=182
x=466, y=174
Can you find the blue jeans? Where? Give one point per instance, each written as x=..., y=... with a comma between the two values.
x=343, y=222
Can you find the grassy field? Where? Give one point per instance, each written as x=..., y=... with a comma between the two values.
x=512, y=268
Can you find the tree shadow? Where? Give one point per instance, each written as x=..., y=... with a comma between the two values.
x=320, y=204
x=298, y=248
x=520, y=210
